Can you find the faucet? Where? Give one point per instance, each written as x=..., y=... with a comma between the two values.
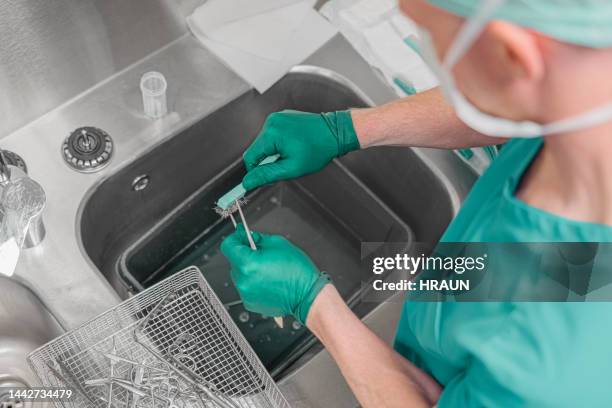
x=5, y=170
x=22, y=200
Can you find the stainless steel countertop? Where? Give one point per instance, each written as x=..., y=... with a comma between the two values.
x=53, y=50
x=59, y=271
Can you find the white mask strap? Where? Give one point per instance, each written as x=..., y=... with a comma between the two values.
x=470, y=30
x=479, y=120
x=595, y=117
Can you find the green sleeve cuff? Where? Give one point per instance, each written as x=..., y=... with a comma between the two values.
x=341, y=125
x=301, y=313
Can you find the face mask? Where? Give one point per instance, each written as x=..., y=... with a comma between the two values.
x=470, y=114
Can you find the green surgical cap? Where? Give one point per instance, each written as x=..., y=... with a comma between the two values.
x=582, y=22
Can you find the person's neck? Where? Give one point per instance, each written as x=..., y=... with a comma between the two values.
x=572, y=176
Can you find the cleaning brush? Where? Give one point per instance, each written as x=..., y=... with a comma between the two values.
x=226, y=203
x=233, y=201
x=228, y=212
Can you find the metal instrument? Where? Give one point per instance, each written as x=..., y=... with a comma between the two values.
x=172, y=346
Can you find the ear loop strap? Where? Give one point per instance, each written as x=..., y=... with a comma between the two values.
x=467, y=36
x=470, y=31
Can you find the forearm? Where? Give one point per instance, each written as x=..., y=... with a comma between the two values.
x=423, y=120
x=378, y=376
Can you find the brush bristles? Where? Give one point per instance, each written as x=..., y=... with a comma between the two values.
x=231, y=209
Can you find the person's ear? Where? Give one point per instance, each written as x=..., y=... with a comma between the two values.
x=518, y=49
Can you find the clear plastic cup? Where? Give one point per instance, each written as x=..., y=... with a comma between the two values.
x=153, y=86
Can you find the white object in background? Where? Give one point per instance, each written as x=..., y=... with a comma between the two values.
x=394, y=57
x=259, y=34
x=260, y=72
x=384, y=37
x=404, y=26
x=153, y=86
x=367, y=12
x=214, y=14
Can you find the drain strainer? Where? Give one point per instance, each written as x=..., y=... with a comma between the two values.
x=87, y=149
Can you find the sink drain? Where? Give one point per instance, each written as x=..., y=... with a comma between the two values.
x=8, y=401
x=87, y=149
x=12, y=403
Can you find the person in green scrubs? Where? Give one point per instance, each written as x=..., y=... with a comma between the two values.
x=536, y=72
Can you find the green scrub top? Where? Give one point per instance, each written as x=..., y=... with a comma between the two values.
x=504, y=354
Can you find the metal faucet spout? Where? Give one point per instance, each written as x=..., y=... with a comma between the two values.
x=5, y=170
x=22, y=201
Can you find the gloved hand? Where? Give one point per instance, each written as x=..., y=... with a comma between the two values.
x=306, y=142
x=277, y=279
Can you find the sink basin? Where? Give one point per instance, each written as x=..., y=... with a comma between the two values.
x=327, y=214
x=154, y=216
x=25, y=324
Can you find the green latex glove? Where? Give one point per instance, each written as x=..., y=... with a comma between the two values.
x=306, y=142
x=277, y=279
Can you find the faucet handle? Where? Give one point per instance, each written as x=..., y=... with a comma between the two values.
x=23, y=200
x=5, y=170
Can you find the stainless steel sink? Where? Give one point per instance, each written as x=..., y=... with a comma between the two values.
x=148, y=219
x=25, y=324
x=214, y=116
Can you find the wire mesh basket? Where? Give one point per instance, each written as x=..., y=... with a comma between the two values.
x=173, y=346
